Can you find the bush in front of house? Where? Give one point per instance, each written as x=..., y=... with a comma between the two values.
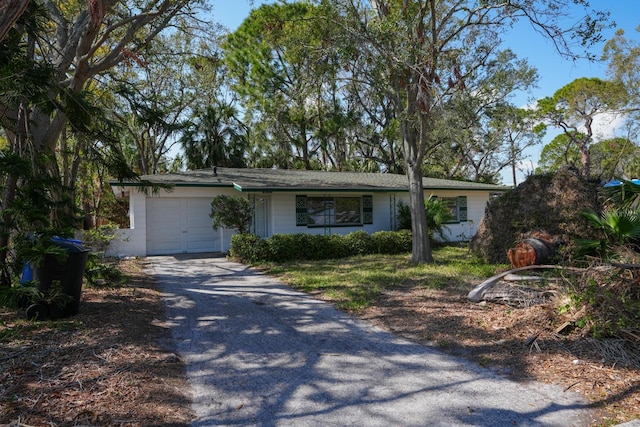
x=391, y=242
x=288, y=247
x=248, y=247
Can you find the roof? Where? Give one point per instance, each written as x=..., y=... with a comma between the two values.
x=301, y=180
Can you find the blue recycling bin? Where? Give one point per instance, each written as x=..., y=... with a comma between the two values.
x=68, y=272
x=27, y=273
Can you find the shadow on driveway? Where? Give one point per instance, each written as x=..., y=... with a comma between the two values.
x=259, y=353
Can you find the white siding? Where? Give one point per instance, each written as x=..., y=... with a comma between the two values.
x=133, y=241
x=476, y=203
x=282, y=215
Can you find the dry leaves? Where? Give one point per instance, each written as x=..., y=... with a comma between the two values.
x=104, y=367
x=496, y=336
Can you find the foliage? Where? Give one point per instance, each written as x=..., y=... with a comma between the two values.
x=479, y=132
x=304, y=246
x=214, y=138
x=610, y=158
x=623, y=56
x=615, y=158
x=606, y=304
x=437, y=212
x=103, y=272
x=575, y=106
x=619, y=226
x=404, y=216
x=100, y=270
x=560, y=152
x=99, y=238
x=626, y=195
x=550, y=203
x=282, y=74
x=390, y=242
x=27, y=215
x=232, y=212
x=248, y=247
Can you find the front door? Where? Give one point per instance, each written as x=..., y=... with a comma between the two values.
x=261, y=215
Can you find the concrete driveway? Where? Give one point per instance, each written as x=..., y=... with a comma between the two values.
x=259, y=353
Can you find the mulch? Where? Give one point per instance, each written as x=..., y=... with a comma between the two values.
x=107, y=366
x=520, y=343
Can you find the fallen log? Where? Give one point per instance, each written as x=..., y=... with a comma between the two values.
x=477, y=293
x=530, y=252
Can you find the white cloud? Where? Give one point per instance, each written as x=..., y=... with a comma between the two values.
x=607, y=126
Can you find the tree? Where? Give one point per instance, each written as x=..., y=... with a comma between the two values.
x=215, y=137
x=425, y=51
x=52, y=66
x=10, y=11
x=232, y=212
x=286, y=82
x=574, y=107
x=519, y=129
x=562, y=151
x=615, y=158
x=623, y=55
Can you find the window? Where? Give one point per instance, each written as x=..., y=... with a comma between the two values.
x=333, y=211
x=458, y=207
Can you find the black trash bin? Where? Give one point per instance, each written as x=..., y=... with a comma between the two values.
x=68, y=272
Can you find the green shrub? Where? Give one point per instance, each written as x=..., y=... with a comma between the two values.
x=248, y=247
x=358, y=243
x=437, y=212
x=391, y=242
x=231, y=212
x=288, y=247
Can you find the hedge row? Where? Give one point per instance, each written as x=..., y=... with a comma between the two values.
x=286, y=247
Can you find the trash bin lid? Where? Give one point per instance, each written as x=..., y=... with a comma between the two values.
x=71, y=245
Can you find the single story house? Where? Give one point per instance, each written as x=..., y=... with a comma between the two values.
x=285, y=201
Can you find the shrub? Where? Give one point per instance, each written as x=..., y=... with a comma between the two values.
x=391, y=242
x=288, y=247
x=437, y=212
x=248, y=247
x=231, y=212
x=358, y=243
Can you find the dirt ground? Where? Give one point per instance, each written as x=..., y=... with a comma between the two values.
x=520, y=343
x=110, y=365
x=107, y=366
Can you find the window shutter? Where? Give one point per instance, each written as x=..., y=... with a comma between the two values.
x=367, y=209
x=301, y=210
x=462, y=208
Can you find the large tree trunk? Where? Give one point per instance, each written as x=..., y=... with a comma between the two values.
x=421, y=247
x=413, y=150
x=10, y=11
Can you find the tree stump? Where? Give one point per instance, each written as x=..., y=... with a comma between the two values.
x=532, y=251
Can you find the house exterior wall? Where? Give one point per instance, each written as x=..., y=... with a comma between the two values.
x=133, y=241
x=282, y=215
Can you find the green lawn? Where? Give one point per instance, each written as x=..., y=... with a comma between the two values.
x=353, y=283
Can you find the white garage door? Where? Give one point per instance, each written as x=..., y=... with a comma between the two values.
x=180, y=226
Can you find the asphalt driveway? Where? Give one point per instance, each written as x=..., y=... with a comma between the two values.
x=259, y=353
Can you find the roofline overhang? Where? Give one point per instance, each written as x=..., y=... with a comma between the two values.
x=241, y=189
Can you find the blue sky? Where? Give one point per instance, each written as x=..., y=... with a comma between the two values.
x=554, y=71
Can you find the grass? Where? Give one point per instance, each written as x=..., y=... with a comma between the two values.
x=354, y=283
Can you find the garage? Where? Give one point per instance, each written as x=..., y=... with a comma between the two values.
x=180, y=225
